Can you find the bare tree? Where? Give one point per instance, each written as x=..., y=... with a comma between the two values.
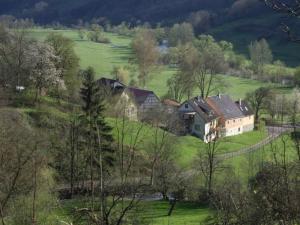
x=295, y=121
x=257, y=100
x=146, y=54
x=209, y=164
x=18, y=148
x=211, y=62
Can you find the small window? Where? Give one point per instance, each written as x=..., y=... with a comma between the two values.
x=228, y=122
x=234, y=121
x=239, y=129
x=186, y=106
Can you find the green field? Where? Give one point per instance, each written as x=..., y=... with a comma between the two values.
x=247, y=165
x=152, y=212
x=103, y=57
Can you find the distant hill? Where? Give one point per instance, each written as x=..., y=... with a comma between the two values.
x=69, y=11
x=238, y=21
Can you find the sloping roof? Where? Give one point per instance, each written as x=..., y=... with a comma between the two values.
x=224, y=106
x=171, y=102
x=204, y=110
x=244, y=107
x=139, y=95
x=109, y=82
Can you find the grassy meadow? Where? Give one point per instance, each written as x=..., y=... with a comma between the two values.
x=103, y=57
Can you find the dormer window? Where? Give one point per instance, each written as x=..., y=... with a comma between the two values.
x=186, y=106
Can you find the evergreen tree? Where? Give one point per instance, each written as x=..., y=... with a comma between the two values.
x=98, y=132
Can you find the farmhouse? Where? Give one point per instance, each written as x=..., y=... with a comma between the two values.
x=216, y=116
x=232, y=120
x=199, y=118
x=135, y=103
x=138, y=103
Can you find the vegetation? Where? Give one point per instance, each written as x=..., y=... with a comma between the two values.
x=70, y=154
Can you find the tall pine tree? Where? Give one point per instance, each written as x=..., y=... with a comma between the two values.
x=98, y=133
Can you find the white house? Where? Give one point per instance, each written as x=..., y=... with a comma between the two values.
x=199, y=118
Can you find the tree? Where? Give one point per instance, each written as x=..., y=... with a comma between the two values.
x=188, y=63
x=209, y=164
x=81, y=34
x=98, y=132
x=181, y=34
x=294, y=110
x=177, y=87
x=260, y=54
x=257, y=100
x=297, y=77
x=146, y=54
x=121, y=74
x=14, y=66
x=20, y=155
x=211, y=62
x=43, y=73
x=68, y=61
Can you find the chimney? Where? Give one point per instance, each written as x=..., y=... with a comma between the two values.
x=219, y=95
x=240, y=102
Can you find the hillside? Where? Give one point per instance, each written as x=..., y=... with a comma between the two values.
x=115, y=10
x=239, y=22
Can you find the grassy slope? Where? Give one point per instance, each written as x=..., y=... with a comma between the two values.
x=103, y=57
x=187, y=147
x=247, y=165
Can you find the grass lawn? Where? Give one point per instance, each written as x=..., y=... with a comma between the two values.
x=186, y=148
x=247, y=165
x=152, y=212
x=190, y=146
x=103, y=57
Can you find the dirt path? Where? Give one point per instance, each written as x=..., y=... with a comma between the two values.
x=273, y=133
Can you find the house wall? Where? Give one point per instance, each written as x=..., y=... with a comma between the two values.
x=233, y=127
x=185, y=107
x=125, y=103
x=151, y=102
x=248, y=123
x=199, y=127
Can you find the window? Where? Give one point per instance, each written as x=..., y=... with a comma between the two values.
x=239, y=129
x=186, y=106
x=234, y=121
